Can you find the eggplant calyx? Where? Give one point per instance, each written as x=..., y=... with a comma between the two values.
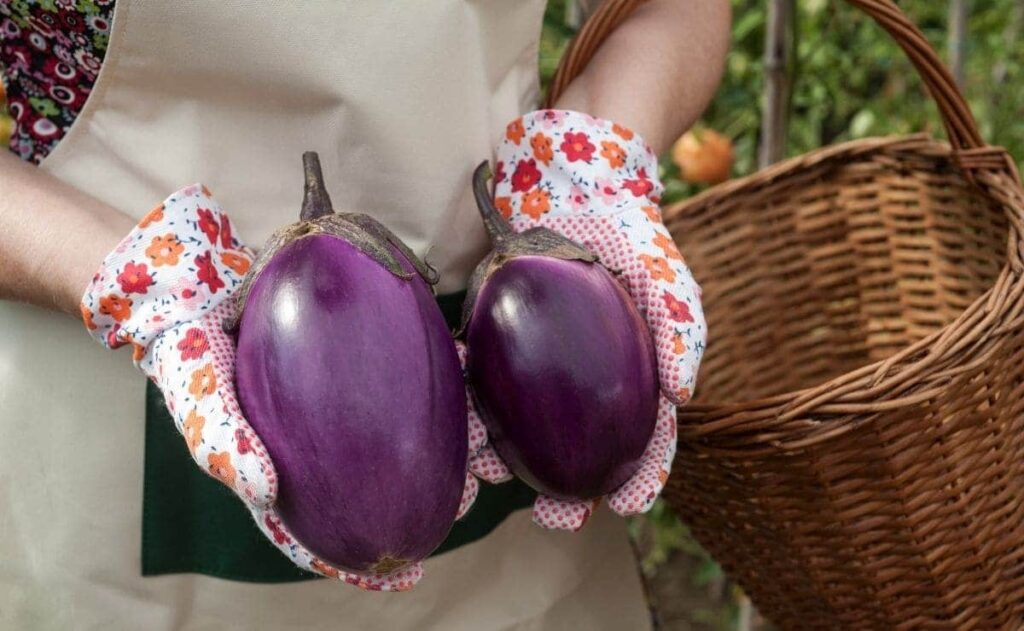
x=366, y=233
x=363, y=232
x=376, y=247
x=543, y=242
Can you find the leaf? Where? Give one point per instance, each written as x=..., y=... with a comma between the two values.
x=747, y=23
x=707, y=572
x=814, y=6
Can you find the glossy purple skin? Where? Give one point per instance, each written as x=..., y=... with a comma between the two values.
x=350, y=377
x=564, y=374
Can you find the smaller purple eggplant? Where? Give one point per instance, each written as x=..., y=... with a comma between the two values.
x=560, y=362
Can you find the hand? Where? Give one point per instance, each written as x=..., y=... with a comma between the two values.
x=164, y=291
x=596, y=183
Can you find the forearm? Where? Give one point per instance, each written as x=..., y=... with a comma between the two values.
x=658, y=71
x=52, y=237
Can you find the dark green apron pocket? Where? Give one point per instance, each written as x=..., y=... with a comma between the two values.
x=192, y=523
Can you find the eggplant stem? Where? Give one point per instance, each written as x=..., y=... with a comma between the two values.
x=497, y=226
x=316, y=202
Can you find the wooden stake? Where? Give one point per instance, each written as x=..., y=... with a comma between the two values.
x=957, y=39
x=775, y=104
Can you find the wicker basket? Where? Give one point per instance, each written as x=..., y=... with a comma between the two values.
x=854, y=456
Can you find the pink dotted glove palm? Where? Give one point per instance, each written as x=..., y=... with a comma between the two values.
x=163, y=291
x=596, y=183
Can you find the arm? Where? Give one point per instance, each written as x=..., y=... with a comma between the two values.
x=52, y=237
x=658, y=71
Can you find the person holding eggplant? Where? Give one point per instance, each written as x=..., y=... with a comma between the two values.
x=121, y=104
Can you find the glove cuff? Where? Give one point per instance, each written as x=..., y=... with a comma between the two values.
x=178, y=263
x=559, y=162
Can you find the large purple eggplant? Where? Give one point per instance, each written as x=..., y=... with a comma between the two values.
x=348, y=373
x=561, y=364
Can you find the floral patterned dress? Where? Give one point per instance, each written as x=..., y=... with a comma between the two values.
x=50, y=53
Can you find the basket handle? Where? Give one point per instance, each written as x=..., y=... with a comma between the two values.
x=969, y=149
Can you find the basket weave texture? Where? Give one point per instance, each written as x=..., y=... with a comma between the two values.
x=854, y=456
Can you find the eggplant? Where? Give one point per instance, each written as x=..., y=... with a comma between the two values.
x=561, y=364
x=349, y=375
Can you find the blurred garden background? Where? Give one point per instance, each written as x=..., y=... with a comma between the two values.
x=843, y=79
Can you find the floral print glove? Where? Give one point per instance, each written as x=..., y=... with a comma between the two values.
x=162, y=291
x=596, y=183
x=484, y=462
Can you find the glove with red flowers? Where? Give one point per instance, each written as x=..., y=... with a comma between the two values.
x=163, y=291
x=596, y=183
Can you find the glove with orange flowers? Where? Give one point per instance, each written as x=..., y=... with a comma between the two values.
x=596, y=183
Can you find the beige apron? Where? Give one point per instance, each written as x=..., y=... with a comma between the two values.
x=401, y=99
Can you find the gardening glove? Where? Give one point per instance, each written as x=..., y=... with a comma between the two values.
x=484, y=462
x=596, y=183
x=163, y=291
